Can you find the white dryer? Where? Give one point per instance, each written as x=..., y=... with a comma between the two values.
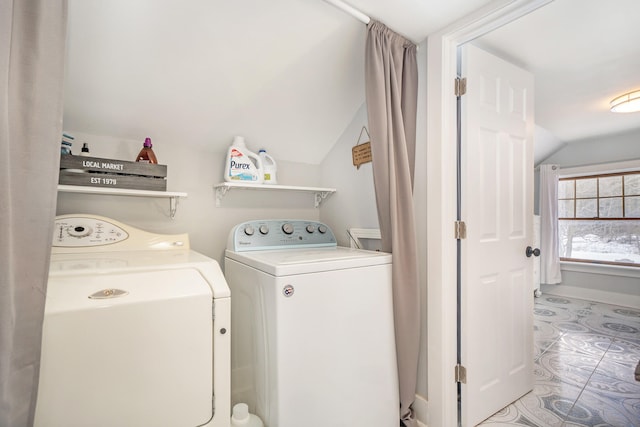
x=136, y=330
x=313, y=339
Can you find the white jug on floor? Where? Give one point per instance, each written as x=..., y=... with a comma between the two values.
x=242, y=417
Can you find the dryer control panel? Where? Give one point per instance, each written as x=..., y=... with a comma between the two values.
x=279, y=234
x=86, y=231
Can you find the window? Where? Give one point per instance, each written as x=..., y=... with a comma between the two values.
x=599, y=218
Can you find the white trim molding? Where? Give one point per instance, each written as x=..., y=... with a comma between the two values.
x=610, y=284
x=599, y=295
x=604, y=269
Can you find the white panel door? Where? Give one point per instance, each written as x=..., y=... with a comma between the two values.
x=497, y=206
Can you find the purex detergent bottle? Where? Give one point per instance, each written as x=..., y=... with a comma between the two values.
x=243, y=166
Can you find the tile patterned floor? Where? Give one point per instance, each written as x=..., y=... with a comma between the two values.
x=585, y=358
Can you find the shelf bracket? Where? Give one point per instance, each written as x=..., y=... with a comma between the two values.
x=220, y=193
x=173, y=206
x=320, y=196
x=173, y=197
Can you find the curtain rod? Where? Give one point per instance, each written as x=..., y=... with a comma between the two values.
x=553, y=167
x=357, y=14
x=350, y=10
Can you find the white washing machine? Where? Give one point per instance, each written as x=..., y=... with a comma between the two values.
x=136, y=330
x=313, y=339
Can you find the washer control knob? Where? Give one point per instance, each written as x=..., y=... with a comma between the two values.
x=287, y=228
x=264, y=229
x=310, y=228
x=248, y=230
x=322, y=229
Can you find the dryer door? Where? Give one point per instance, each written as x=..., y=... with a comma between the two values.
x=141, y=358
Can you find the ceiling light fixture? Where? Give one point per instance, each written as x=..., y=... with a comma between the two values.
x=627, y=103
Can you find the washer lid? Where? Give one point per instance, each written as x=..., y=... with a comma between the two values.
x=88, y=266
x=73, y=293
x=300, y=261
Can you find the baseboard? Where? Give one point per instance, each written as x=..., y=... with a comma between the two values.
x=421, y=408
x=624, y=300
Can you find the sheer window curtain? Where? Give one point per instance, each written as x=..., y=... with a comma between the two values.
x=32, y=50
x=549, y=247
x=391, y=82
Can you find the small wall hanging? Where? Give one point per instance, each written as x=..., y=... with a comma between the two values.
x=361, y=153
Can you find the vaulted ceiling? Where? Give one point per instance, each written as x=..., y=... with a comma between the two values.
x=288, y=74
x=583, y=53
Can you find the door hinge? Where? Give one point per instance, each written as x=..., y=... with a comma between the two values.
x=460, y=86
x=461, y=230
x=461, y=374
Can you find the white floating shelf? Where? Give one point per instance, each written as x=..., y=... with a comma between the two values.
x=319, y=193
x=171, y=195
x=118, y=191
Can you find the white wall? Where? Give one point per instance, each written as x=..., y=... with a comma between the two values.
x=354, y=204
x=194, y=171
x=597, y=150
x=608, y=284
x=545, y=144
x=605, y=284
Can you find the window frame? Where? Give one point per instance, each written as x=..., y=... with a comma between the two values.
x=602, y=171
x=597, y=197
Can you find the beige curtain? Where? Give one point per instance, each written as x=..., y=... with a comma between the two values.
x=32, y=40
x=391, y=78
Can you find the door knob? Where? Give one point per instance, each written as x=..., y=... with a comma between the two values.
x=531, y=251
